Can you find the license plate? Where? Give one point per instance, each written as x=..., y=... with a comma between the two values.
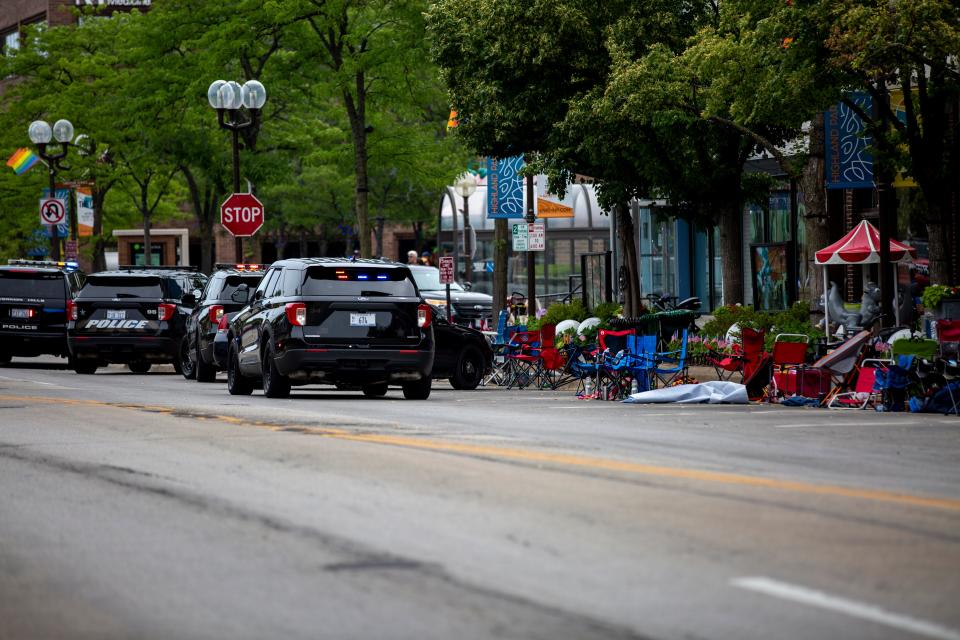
x=363, y=319
x=113, y=314
x=19, y=313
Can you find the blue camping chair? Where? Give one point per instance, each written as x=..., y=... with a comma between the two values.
x=676, y=359
x=642, y=360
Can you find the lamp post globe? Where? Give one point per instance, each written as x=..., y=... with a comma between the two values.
x=230, y=95
x=253, y=94
x=466, y=185
x=40, y=132
x=63, y=131
x=213, y=94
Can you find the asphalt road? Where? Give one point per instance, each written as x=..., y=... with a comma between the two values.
x=145, y=506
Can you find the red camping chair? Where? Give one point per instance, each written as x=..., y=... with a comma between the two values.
x=553, y=362
x=746, y=361
x=948, y=335
x=865, y=393
x=788, y=360
x=523, y=359
x=612, y=359
x=841, y=364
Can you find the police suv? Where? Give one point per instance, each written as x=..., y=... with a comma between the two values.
x=227, y=292
x=135, y=316
x=34, y=295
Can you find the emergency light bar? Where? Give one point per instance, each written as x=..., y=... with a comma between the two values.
x=240, y=267
x=67, y=266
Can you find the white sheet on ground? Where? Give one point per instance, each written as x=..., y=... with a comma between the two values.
x=714, y=392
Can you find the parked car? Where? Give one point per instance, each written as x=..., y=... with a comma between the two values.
x=134, y=315
x=470, y=309
x=333, y=321
x=226, y=293
x=463, y=355
x=33, y=307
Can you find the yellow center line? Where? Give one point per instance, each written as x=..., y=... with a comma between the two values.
x=560, y=459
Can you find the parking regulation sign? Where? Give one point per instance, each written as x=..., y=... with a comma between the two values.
x=446, y=270
x=52, y=211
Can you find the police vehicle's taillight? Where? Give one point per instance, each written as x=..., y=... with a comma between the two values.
x=424, y=316
x=224, y=323
x=216, y=312
x=72, y=312
x=165, y=311
x=297, y=313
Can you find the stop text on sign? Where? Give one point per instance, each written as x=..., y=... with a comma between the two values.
x=242, y=214
x=245, y=215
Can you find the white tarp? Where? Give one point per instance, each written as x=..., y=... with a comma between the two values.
x=714, y=392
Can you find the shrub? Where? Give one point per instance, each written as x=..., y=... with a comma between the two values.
x=607, y=310
x=558, y=311
x=934, y=293
x=796, y=319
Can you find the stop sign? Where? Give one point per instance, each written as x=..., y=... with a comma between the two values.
x=242, y=214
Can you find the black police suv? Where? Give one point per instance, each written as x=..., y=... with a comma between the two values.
x=463, y=355
x=227, y=292
x=34, y=295
x=135, y=316
x=470, y=308
x=333, y=321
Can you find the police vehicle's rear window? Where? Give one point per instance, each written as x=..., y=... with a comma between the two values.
x=230, y=284
x=15, y=283
x=358, y=281
x=121, y=287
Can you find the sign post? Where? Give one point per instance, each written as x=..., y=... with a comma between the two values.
x=446, y=278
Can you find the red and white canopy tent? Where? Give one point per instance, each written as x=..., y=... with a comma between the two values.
x=860, y=246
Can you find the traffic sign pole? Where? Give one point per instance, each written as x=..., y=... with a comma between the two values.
x=447, y=266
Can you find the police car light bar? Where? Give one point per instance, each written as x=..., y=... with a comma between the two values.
x=240, y=267
x=157, y=267
x=44, y=263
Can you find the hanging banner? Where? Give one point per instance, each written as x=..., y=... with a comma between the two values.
x=504, y=187
x=63, y=197
x=848, y=164
x=552, y=209
x=84, y=211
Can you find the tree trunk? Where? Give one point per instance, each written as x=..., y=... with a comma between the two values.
x=99, y=246
x=500, y=236
x=813, y=184
x=356, y=110
x=628, y=252
x=145, y=210
x=731, y=249
x=937, y=239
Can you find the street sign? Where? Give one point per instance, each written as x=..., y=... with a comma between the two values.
x=70, y=250
x=52, y=211
x=242, y=214
x=536, y=237
x=446, y=270
x=519, y=236
x=529, y=237
x=550, y=209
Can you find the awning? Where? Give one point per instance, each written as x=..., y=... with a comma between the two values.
x=862, y=246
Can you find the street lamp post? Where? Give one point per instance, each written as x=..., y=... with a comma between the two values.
x=228, y=98
x=41, y=134
x=466, y=186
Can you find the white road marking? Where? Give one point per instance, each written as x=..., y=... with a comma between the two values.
x=48, y=384
x=897, y=423
x=842, y=605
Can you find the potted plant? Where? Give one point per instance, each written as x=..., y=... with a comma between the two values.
x=942, y=300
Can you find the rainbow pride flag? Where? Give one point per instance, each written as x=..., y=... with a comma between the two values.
x=22, y=160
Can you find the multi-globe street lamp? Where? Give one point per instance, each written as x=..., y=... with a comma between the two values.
x=466, y=186
x=228, y=98
x=42, y=134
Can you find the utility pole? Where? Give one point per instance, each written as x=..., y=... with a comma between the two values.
x=531, y=258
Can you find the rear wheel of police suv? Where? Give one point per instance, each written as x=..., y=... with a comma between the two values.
x=84, y=367
x=375, y=390
x=275, y=385
x=237, y=385
x=419, y=390
x=205, y=372
x=187, y=368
